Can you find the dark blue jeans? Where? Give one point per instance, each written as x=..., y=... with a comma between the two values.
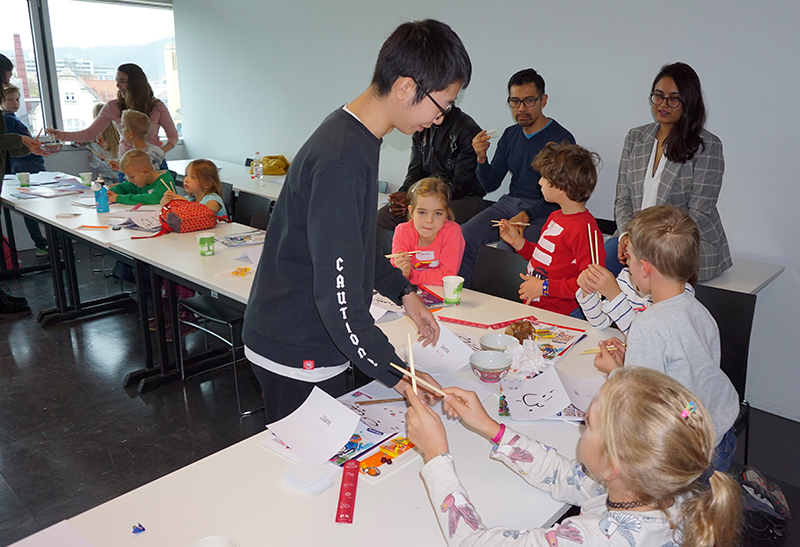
x=724, y=452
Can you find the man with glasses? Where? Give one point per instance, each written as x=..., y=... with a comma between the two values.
x=445, y=151
x=516, y=150
x=307, y=317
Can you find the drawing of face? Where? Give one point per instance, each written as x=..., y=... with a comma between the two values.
x=537, y=400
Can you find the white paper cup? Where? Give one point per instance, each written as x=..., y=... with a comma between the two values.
x=24, y=179
x=206, y=242
x=86, y=178
x=453, y=284
x=216, y=541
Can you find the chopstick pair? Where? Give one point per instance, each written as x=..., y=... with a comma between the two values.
x=594, y=249
x=597, y=350
x=172, y=189
x=397, y=255
x=492, y=133
x=380, y=401
x=415, y=378
x=497, y=223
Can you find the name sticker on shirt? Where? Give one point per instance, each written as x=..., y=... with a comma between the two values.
x=308, y=364
x=425, y=256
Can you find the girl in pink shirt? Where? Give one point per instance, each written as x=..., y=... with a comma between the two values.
x=430, y=244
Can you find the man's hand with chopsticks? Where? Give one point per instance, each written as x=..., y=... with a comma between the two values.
x=481, y=144
x=427, y=327
x=425, y=427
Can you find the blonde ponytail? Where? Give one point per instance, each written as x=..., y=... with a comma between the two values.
x=713, y=517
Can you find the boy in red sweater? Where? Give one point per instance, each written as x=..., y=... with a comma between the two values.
x=568, y=177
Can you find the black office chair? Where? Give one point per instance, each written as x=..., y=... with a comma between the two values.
x=254, y=211
x=383, y=239
x=729, y=310
x=497, y=272
x=227, y=198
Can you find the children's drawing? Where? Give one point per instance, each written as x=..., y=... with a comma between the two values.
x=535, y=398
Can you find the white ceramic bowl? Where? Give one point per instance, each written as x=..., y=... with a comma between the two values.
x=490, y=366
x=498, y=342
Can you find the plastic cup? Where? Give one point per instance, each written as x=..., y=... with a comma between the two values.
x=86, y=178
x=206, y=242
x=453, y=285
x=24, y=179
x=216, y=541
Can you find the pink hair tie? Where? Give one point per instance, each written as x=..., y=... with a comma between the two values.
x=496, y=438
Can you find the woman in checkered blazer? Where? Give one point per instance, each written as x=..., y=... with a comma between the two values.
x=674, y=161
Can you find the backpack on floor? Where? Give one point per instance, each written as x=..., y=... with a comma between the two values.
x=182, y=216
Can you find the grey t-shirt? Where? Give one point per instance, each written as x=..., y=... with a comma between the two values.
x=679, y=337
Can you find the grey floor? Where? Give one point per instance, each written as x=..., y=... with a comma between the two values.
x=71, y=437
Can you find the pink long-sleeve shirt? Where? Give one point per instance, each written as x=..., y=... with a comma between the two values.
x=440, y=258
x=110, y=113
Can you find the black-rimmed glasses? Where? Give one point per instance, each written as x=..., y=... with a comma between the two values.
x=443, y=111
x=513, y=102
x=657, y=99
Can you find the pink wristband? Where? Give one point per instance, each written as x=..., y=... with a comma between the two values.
x=496, y=438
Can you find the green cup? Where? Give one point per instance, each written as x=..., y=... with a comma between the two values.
x=206, y=242
x=24, y=179
x=453, y=285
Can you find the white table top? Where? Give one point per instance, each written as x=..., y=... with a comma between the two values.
x=179, y=255
x=240, y=491
x=746, y=276
x=239, y=177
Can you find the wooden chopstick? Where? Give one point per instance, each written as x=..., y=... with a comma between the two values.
x=380, y=401
x=597, y=350
x=396, y=255
x=422, y=382
x=499, y=222
x=411, y=364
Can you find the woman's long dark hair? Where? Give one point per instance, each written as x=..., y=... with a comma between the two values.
x=684, y=139
x=139, y=95
x=5, y=66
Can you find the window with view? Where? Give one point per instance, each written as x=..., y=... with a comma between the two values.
x=108, y=36
x=16, y=43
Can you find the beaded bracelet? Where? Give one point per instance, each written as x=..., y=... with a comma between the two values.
x=546, y=287
x=496, y=438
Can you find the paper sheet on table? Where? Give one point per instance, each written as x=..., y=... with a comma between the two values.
x=448, y=355
x=87, y=202
x=251, y=254
x=147, y=219
x=58, y=535
x=581, y=390
x=535, y=398
x=318, y=429
x=44, y=177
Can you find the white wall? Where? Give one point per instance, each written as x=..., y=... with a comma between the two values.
x=262, y=74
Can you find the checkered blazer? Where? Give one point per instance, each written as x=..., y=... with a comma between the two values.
x=693, y=186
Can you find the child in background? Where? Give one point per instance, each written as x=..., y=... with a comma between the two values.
x=145, y=184
x=622, y=298
x=568, y=177
x=32, y=163
x=676, y=334
x=648, y=446
x=202, y=184
x=135, y=126
x=105, y=148
x=430, y=229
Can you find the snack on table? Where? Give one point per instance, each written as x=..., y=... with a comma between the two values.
x=521, y=330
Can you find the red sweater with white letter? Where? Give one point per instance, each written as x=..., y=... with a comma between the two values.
x=560, y=255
